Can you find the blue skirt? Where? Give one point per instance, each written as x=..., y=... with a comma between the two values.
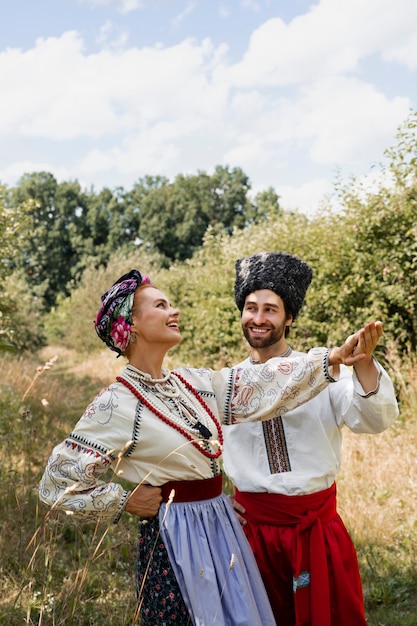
x=214, y=564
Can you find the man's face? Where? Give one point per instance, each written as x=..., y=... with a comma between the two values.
x=264, y=318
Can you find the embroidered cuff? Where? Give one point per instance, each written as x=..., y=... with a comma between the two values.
x=122, y=506
x=326, y=367
x=374, y=391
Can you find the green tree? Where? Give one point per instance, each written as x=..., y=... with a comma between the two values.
x=174, y=217
x=19, y=319
x=9, y=229
x=68, y=227
x=55, y=213
x=266, y=203
x=110, y=223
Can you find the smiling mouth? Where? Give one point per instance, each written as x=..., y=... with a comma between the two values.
x=259, y=331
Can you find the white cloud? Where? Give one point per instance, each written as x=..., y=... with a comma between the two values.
x=188, y=10
x=306, y=197
x=346, y=119
x=332, y=38
x=105, y=31
x=124, y=6
x=251, y=4
x=57, y=91
x=223, y=11
x=302, y=88
x=108, y=38
x=403, y=52
x=152, y=150
x=13, y=172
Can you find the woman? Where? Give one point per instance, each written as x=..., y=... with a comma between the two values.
x=164, y=428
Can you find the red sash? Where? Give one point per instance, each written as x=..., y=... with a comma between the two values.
x=306, y=514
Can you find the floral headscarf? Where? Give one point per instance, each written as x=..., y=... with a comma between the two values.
x=114, y=317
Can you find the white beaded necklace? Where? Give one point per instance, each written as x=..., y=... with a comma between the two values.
x=171, y=397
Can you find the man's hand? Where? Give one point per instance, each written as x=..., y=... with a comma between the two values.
x=239, y=509
x=357, y=347
x=144, y=501
x=357, y=351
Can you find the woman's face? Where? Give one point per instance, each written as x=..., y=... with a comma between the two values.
x=154, y=320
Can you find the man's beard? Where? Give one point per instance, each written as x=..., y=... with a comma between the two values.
x=273, y=337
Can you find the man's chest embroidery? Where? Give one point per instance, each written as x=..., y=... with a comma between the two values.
x=276, y=446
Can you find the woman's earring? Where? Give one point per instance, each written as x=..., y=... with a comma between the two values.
x=133, y=338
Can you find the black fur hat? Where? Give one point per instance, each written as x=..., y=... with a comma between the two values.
x=285, y=274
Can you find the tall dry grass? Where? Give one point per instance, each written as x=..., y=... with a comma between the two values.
x=377, y=496
x=56, y=572
x=53, y=571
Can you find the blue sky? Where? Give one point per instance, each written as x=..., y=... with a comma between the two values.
x=295, y=93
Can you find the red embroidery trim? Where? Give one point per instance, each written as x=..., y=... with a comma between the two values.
x=196, y=444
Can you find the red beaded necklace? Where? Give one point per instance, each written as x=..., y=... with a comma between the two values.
x=155, y=411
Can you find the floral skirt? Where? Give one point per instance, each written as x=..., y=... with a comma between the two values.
x=160, y=598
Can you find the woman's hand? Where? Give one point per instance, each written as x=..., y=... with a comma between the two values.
x=239, y=510
x=144, y=501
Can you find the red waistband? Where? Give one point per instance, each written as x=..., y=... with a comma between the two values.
x=192, y=490
x=283, y=510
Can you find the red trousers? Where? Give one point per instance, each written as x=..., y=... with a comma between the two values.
x=306, y=558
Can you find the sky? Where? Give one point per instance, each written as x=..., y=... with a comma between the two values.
x=297, y=94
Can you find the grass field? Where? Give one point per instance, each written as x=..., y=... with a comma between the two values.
x=56, y=572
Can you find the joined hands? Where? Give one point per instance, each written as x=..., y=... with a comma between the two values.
x=357, y=347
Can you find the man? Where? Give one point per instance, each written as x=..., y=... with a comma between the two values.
x=284, y=469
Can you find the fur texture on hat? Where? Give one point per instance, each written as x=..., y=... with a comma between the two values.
x=284, y=274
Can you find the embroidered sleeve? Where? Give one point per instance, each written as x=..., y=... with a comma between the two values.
x=74, y=476
x=72, y=481
x=280, y=385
